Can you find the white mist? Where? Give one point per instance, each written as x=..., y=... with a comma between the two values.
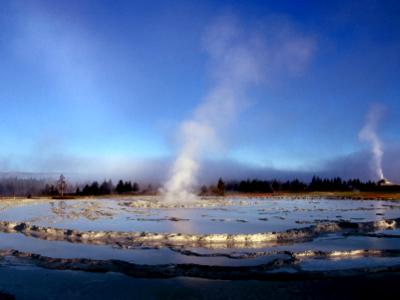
x=239, y=59
x=369, y=134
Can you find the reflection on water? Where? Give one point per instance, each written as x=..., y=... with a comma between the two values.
x=261, y=216
x=235, y=217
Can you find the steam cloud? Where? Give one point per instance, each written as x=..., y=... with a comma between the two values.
x=240, y=59
x=368, y=134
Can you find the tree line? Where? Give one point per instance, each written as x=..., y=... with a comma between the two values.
x=27, y=187
x=108, y=188
x=21, y=187
x=316, y=184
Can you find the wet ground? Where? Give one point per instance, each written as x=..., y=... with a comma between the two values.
x=36, y=283
x=212, y=243
x=208, y=216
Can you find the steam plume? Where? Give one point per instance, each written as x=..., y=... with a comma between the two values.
x=368, y=134
x=240, y=59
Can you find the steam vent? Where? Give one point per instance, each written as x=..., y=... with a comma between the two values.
x=385, y=182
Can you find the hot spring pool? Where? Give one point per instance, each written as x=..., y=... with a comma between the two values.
x=209, y=216
x=264, y=236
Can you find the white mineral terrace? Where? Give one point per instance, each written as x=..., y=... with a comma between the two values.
x=255, y=233
x=229, y=216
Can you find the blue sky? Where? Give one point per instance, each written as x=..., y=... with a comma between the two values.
x=89, y=83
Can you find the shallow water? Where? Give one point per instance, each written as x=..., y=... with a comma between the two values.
x=235, y=216
x=59, y=249
x=261, y=216
x=348, y=263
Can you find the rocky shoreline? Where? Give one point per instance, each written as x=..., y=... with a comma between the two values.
x=141, y=239
x=268, y=271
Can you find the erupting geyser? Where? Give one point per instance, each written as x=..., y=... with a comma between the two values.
x=385, y=182
x=368, y=134
x=240, y=59
x=236, y=61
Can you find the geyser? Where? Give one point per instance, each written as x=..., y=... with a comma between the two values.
x=239, y=59
x=369, y=134
x=235, y=59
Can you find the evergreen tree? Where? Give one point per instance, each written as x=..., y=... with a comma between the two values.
x=221, y=187
x=120, y=187
x=135, y=187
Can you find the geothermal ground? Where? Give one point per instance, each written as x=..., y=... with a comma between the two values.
x=154, y=249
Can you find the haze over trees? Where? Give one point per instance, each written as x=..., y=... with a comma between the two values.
x=27, y=187
x=14, y=186
x=61, y=184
